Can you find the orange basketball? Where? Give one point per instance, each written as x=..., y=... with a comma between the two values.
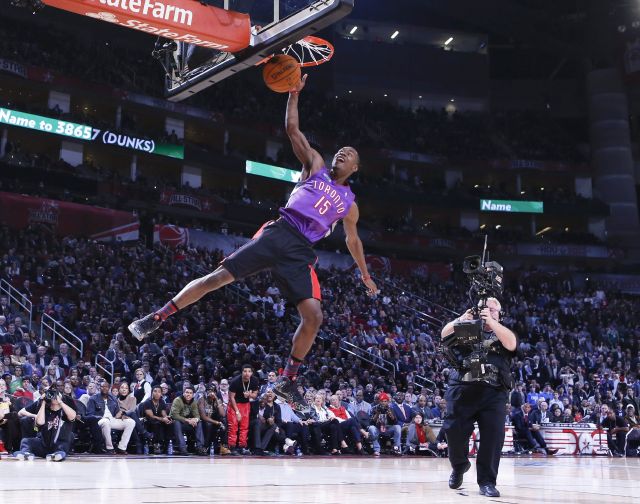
x=281, y=73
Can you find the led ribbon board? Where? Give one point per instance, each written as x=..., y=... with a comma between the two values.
x=84, y=132
x=274, y=172
x=511, y=206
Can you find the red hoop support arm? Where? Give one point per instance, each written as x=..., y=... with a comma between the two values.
x=181, y=20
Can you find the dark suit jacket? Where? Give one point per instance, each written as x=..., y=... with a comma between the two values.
x=275, y=412
x=521, y=424
x=535, y=417
x=403, y=413
x=62, y=364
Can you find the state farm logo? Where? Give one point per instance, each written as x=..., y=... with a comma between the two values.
x=103, y=16
x=155, y=9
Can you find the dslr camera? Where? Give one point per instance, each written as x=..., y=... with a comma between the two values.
x=50, y=394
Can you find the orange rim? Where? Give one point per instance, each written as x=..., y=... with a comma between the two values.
x=309, y=51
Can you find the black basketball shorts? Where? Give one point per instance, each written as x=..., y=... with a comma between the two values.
x=279, y=247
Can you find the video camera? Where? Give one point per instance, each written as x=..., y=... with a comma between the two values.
x=485, y=277
x=464, y=348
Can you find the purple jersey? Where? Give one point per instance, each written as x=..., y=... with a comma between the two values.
x=316, y=204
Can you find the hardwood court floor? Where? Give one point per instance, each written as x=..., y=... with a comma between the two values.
x=339, y=480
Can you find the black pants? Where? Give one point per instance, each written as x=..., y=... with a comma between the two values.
x=39, y=449
x=211, y=434
x=97, y=440
x=11, y=431
x=480, y=403
x=299, y=433
x=264, y=434
x=162, y=432
x=616, y=441
x=330, y=430
x=27, y=427
x=534, y=438
x=351, y=428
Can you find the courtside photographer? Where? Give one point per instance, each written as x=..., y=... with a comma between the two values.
x=54, y=416
x=480, y=349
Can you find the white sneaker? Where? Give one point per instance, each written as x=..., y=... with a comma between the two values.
x=24, y=455
x=58, y=456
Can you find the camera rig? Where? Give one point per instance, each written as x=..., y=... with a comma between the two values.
x=465, y=348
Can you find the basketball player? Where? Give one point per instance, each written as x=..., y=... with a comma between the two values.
x=321, y=198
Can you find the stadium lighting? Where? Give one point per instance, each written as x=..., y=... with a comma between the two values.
x=353, y=30
x=395, y=34
x=448, y=41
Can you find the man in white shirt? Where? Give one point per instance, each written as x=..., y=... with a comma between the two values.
x=295, y=428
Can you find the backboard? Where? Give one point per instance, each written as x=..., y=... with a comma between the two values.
x=285, y=22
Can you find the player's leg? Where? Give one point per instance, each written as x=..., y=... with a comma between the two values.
x=286, y=387
x=253, y=256
x=310, y=311
x=297, y=278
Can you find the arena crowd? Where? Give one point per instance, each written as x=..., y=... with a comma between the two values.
x=578, y=358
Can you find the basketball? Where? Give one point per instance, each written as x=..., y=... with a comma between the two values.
x=281, y=73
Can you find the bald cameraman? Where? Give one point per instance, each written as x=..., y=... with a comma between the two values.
x=476, y=397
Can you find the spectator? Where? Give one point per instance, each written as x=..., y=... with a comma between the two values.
x=295, y=428
x=425, y=412
x=186, y=420
x=212, y=416
x=104, y=415
x=349, y=426
x=269, y=428
x=272, y=377
x=528, y=431
x=419, y=437
x=384, y=424
x=158, y=422
x=617, y=429
x=9, y=422
x=129, y=410
x=64, y=358
x=325, y=426
x=242, y=389
x=141, y=387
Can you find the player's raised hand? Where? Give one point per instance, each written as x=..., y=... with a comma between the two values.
x=372, y=288
x=300, y=85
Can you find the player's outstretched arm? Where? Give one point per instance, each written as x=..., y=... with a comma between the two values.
x=354, y=244
x=310, y=158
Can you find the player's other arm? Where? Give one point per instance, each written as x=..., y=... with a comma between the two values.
x=354, y=244
x=310, y=158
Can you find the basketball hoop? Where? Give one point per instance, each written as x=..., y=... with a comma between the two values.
x=310, y=51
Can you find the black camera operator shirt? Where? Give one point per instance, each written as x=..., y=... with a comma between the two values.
x=56, y=424
x=497, y=355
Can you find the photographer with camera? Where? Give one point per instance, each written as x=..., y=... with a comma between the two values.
x=384, y=424
x=478, y=391
x=54, y=414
